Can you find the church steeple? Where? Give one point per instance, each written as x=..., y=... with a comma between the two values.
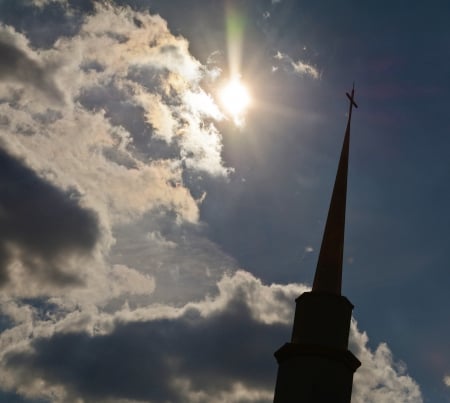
x=316, y=366
x=328, y=277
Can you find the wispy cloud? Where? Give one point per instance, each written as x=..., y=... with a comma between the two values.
x=42, y=3
x=298, y=67
x=304, y=68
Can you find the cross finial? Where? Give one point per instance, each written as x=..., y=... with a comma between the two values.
x=352, y=99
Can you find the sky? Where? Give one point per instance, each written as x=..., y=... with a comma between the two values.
x=154, y=236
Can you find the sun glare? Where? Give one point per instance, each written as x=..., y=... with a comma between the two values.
x=235, y=98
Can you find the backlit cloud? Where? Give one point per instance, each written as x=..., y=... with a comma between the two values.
x=298, y=67
x=197, y=353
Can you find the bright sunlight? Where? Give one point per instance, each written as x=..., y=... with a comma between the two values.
x=235, y=98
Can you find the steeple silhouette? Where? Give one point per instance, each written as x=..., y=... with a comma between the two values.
x=328, y=276
x=316, y=366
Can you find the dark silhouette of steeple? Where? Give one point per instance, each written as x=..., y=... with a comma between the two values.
x=316, y=366
x=328, y=276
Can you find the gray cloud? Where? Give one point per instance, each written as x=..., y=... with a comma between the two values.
x=219, y=349
x=212, y=354
x=17, y=65
x=40, y=225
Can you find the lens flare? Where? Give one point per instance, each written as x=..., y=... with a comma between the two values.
x=235, y=98
x=235, y=26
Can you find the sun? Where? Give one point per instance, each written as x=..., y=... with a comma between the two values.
x=236, y=99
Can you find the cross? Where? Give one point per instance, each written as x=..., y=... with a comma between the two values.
x=352, y=98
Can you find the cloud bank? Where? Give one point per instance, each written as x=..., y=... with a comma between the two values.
x=213, y=350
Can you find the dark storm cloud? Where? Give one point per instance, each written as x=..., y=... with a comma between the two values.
x=40, y=225
x=143, y=360
x=17, y=66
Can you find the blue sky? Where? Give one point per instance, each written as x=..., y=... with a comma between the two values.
x=152, y=245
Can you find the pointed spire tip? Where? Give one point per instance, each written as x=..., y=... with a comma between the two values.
x=328, y=276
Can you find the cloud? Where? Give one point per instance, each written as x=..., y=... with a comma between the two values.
x=154, y=356
x=380, y=379
x=185, y=264
x=446, y=380
x=135, y=117
x=19, y=63
x=217, y=348
x=164, y=351
x=43, y=3
x=298, y=67
x=41, y=227
x=134, y=121
x=304, y=68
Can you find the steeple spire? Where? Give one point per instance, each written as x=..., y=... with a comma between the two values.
x=316, y=366
x=328, y=277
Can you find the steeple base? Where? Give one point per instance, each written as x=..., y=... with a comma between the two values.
x=314, y=374
x=316, y=366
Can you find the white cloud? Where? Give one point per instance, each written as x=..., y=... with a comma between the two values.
x=446, y=380
x=304, y=68
x=298, y=67
x=80, y=143
x=237, y=392
x=380, y=379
